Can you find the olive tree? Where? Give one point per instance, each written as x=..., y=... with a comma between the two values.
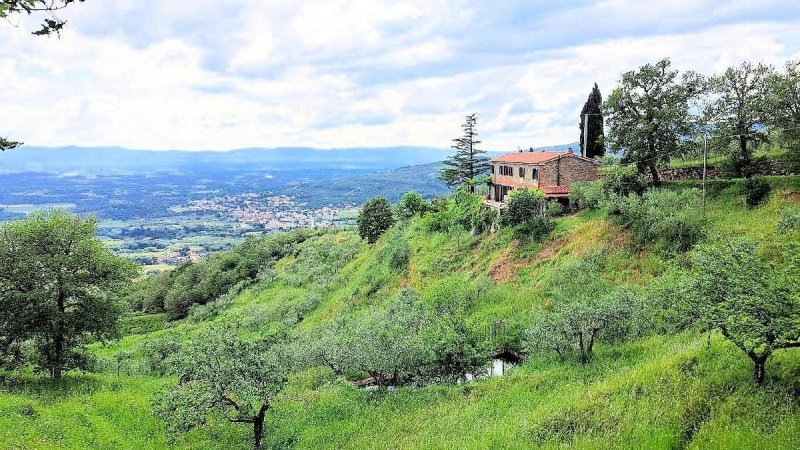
x=225, y=374
x=752, y=302
x=584, y=309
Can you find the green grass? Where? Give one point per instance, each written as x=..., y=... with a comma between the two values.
x=656, y=392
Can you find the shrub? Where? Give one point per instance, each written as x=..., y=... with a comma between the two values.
x=789, y=220
x=586, y=194
x=461, y=211
x=756, y=189
x=524, y=205
x=374, y=218
x=487, y=219
x=410, y=206
x=623, y=183
x=670, y=218
x=396, y=252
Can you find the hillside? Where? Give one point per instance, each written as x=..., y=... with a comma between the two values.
x=682, y=389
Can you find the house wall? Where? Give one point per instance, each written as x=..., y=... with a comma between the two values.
x=571, y=169
x=529, y=180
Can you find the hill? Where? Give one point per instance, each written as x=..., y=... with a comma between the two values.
x=659, y=389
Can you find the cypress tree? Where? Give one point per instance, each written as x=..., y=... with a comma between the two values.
x=466, y=164
x=593, y=107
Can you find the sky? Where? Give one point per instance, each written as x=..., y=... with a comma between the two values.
x=217, y=75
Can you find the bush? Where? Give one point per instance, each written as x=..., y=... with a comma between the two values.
x=487, y=219
x=756, y=189
x=410, y=206
x=524, y=205
x=669, y=218
x=622, y=183
x=374, y=218
x=461, y=211
x=586, y=194
x=789, y=221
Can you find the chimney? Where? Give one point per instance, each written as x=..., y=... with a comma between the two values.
x=530, y=149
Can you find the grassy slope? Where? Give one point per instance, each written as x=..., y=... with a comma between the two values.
x=663, y=392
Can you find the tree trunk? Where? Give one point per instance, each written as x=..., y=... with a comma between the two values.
x=759, y=363
x=654, y=174
x=58, y=338
x=258, y=428
x=746, y=160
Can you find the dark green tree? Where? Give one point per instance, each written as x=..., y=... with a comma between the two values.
x=596, y=136
x=467, y=164
x=648, y=115
x=374, y=218
x=56, y=286
x=739, y=111
x=222, y=374
x=783, y=102
x=410, y=206
x=752, y=302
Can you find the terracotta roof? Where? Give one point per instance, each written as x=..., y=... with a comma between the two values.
x=528, y=157
x=535, y=157
x=555, y=189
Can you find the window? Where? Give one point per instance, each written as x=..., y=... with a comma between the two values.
x=522, y=172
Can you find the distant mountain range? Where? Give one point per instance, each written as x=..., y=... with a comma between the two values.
x=118, y=160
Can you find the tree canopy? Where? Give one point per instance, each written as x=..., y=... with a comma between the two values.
x=225, y=374
x=56, y=281
x=739, y=110
x=51, y=24
x=649, y=116
x=753, y=303
x=375, y=218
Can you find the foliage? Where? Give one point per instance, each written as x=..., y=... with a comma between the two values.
x=460, y=212
x=410, y=206
x=596, y=138
x=6, y=144
x=585, y=308
x=672, y=219
x=783, y=101
x=738, y=111
x=756, y=189
x=56, y=285
x=648, y=114
x=224, y=374
x=375, y=218
x=750, y=301
x=620, y=182
x=586, y=194
x=527, y=211
x=161, y=354
x=789, y=220
x=467, y=164
x=51, y=23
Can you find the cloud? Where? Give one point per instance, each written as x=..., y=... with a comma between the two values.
x=202, y=75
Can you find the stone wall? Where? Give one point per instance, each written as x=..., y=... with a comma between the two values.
x=571, y=169
x=770, y=167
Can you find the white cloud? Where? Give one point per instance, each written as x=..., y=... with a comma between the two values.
x=336, y=74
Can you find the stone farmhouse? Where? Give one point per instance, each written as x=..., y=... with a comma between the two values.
x=550, y=172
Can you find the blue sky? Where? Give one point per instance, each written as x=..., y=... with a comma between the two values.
x=210, y=74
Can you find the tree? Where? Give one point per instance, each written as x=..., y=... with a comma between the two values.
x=648, y=115
x=51, y=23
x=783, y=100
x=467, y=164
x=595, y=140
x=739, y=110
x=584, y=308
x=410, y=206
x=752, y=302
x=56, y=281
x=375, y=218
x=224, y=374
